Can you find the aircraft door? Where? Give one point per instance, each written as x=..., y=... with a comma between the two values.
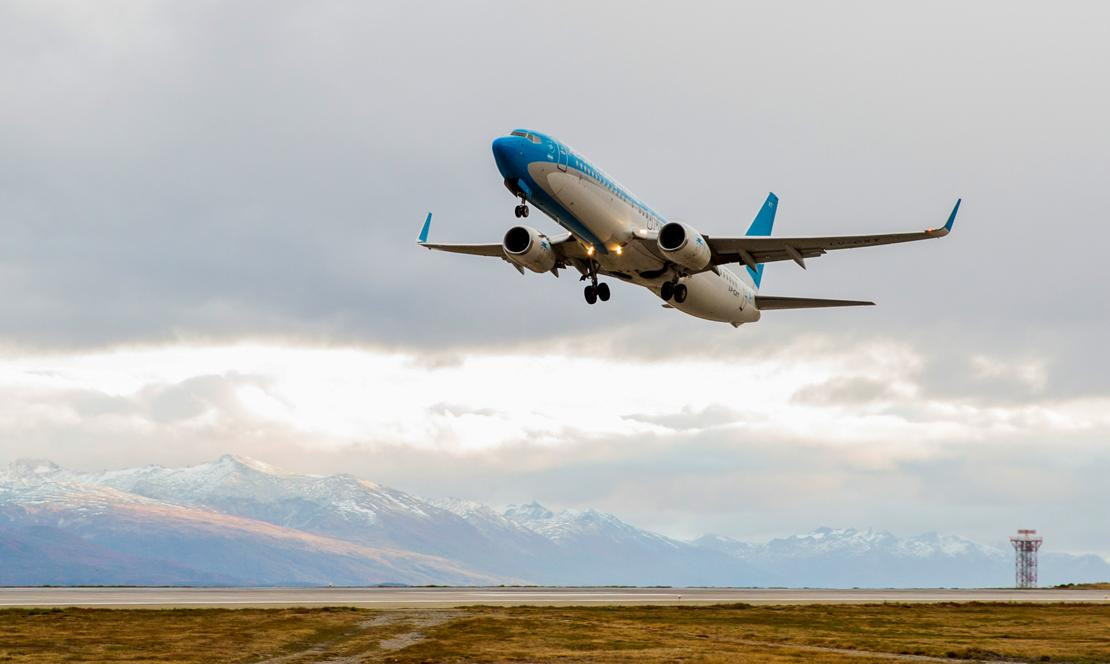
x=564, y=155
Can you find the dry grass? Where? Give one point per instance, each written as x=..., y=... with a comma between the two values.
x=180, y=635
x=1077, y=632
x=727, y=633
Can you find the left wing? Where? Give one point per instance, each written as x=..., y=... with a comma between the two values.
x=752, y=250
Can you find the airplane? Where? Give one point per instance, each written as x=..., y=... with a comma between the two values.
x=611, y=233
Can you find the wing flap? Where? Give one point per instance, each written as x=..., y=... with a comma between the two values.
x=772, y=302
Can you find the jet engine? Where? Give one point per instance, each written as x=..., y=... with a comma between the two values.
x=683, y=245
x=529, y=248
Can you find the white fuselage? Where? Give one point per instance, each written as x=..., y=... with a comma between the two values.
x=613, y=217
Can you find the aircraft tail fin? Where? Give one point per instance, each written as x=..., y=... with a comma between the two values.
x=761, y=226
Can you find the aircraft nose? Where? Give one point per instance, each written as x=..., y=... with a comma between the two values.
x=508, y=152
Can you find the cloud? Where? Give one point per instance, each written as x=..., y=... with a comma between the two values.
x=690, y=417
x=214, y=173
x=755, y=460
x=846, y=391
x=1030, y=374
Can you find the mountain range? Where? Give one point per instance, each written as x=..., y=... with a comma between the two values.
x=237, y=521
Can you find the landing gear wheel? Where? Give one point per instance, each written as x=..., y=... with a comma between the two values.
x=680, y=293
x=666, y=291
x=522, y=209
x=591, y=295
x=603, y=292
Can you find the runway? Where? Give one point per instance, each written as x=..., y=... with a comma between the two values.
x=395, y=598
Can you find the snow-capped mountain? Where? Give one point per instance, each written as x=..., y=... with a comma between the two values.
x=241, y=522
x=528, y=549
x=62, y=527
x=598, y=548
x=342, y=507
x=571, y=527
x=848, y=557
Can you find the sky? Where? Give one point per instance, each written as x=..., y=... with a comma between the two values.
x=208, y=214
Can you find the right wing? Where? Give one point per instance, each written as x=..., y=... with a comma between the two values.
x=564, y=246
x=472, y=249
x=769, y=302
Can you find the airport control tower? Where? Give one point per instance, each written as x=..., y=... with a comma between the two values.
x=1025, y=544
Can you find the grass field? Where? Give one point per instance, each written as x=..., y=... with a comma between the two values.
x=726, y=633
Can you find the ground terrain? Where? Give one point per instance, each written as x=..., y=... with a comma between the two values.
x=723, y=633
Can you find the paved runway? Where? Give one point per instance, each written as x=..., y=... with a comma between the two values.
x=450, y=597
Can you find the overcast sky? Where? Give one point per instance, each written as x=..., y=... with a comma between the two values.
x=207, y=216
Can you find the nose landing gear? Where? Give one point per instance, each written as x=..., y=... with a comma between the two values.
x=522, y=209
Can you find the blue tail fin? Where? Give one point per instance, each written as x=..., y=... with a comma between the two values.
x=761, y=226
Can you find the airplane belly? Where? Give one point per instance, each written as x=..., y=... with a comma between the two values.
x=630, y=263
x=710, y=297
x=602, y=213
x=586, y=202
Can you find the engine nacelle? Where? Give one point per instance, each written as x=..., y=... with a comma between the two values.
x=684, y=245
x=529, y=248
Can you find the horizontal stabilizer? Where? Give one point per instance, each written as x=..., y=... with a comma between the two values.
x=770, y=302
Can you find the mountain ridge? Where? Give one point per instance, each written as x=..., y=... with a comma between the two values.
x=239, y=521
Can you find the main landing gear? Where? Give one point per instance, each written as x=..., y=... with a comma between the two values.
x=598, y=292
x=595, y=291
x=674, y=290
x=522, y=209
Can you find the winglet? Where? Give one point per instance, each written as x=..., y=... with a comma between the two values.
x=947, y=228
x=952, y=217
x=423, y=237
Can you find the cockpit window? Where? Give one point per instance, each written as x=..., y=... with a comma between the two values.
x=524, y=134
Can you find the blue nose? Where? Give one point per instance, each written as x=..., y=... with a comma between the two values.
x=508, y=152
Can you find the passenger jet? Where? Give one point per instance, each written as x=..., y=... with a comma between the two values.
x=611, y=233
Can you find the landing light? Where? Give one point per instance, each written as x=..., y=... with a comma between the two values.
x=617, y=249
x=590, y=250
